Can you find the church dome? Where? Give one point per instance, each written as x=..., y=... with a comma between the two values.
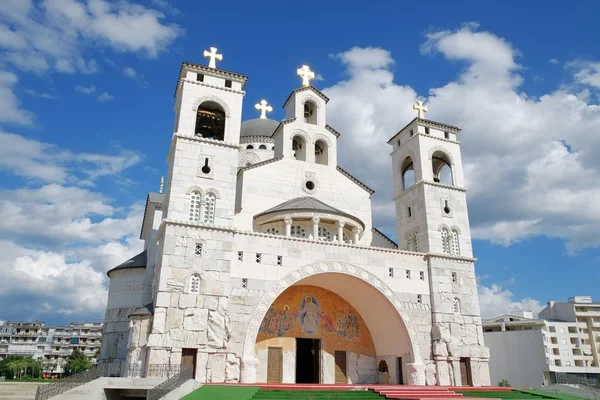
x=258, y=127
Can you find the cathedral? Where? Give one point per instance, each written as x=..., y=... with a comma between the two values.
x=261, y=263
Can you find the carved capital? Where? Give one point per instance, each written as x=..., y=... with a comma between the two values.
x=288, y=221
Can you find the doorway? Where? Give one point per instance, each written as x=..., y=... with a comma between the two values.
x=275, y=365
x=308, y=360
x=466, y=378
x=188, y=359
x=400, y=374
x=340, y=367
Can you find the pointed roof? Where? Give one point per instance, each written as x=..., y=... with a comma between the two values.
x=309, y=204
x=302, y=89
x=138, y=261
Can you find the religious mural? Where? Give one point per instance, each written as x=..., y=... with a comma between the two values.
x=308, y=311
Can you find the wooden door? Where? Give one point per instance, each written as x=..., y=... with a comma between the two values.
x=400, y=375
x=188, y=358
x=275, y=365
x=465, y=372
x=340, y=367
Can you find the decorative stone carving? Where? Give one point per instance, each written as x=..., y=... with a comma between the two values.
x=416, y=373
x=247, y=159
x=248, y=373
x=217, y=332
x=232, y=368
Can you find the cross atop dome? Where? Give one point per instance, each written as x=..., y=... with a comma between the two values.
x=212, y=54
x=306, y=74
x=420, y=108
x=264, y=108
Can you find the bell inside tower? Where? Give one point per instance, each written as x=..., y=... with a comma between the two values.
x=210, y=121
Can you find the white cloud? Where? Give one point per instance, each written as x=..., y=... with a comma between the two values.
x=41, y=95
x=134, y=75
x=54, y=33
x=85, y=89
x=10, y=106
x=105, y=97
x=553, y=61
x=165, y=5
x=57, y=240
x=520, y=153
x=130, y=73
x=586, y=73
x=496, y=300
x=47, y=163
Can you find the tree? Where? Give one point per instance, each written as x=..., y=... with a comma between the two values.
x=503, y=383
x=77, y=362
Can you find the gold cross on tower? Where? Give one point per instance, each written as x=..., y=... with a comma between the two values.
x=264, y=108
x=306, y=74
x=212, y=54
x=421, y=110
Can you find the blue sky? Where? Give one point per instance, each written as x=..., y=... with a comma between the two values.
x=86, y=100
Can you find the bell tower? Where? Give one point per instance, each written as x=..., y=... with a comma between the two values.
x=430, y=197
x=192, y=281
x=432, y=218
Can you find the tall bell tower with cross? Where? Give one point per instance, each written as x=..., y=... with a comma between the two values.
x=432, y=218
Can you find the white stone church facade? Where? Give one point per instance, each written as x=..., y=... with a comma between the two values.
x=261, y=263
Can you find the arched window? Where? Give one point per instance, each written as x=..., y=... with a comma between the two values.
x=262, y=147
x=210, y=121
x=210, y=201
x=445, y=240
x=456, y=305
x=442, y=171
x=297, y=231
x=310, y=112
x=383, y=367
x=272, y=147
x=273, y=231
x=299, y=148
x=408, y=173
x=454, y=246
x=195, y=284
x=249, y=147
x=417, y=242
x=321, y=152
x=195, y=201
x=324, y=234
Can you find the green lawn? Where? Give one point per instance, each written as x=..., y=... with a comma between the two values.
x=210, y=392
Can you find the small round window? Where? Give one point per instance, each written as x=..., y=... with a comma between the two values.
x=309, y=185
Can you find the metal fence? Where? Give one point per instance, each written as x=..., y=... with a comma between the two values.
x=571, y=379
x=185, y=373
x=170, y=372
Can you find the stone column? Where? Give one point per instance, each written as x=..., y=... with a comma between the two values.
x=315, y=221
x=288, y=226
x=340, y=228
x=415, y=373
x=248, y=373
x=355, y=235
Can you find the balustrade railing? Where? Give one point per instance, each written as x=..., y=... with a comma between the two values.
x=170, y=372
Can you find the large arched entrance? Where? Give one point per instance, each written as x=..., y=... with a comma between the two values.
x=292, y=328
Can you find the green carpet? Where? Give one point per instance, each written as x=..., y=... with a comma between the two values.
x=222, y=393
x=517, y=394
x=315, y=395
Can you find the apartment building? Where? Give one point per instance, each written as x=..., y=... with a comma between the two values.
x=49, y=344
x=564, y=339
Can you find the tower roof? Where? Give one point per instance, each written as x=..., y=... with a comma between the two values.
x=138, y=261
x=258, y=127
